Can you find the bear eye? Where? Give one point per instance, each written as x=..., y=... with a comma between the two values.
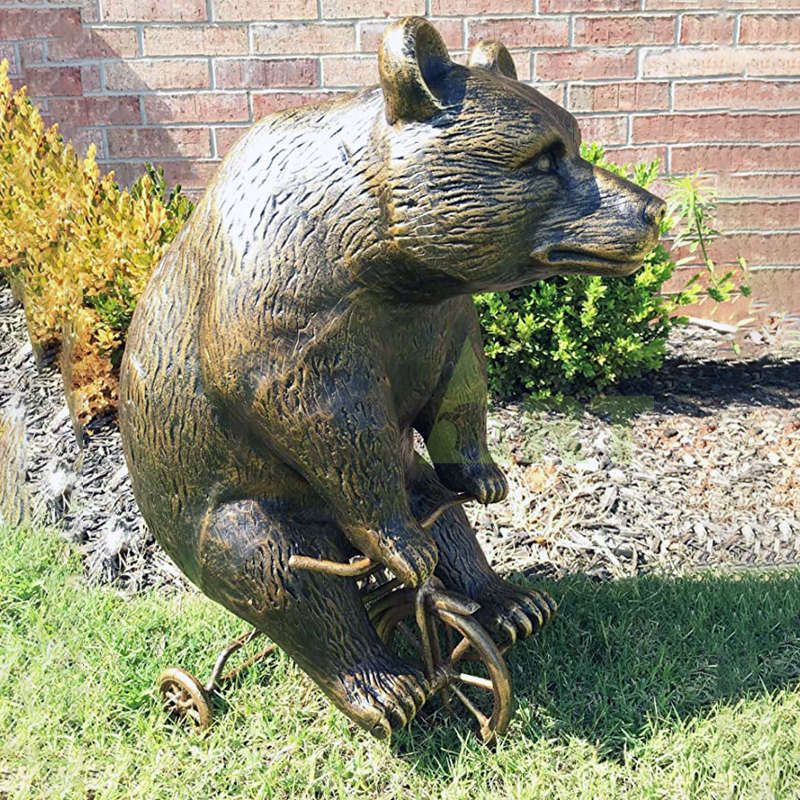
x=544, y=162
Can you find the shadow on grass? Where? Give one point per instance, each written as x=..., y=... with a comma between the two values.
x=628, y=659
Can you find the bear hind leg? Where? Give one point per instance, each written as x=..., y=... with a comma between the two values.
x=319, y=620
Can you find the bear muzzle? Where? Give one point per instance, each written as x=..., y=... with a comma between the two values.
x=600, y=244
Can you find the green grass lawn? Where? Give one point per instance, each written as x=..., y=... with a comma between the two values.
x=646, y=688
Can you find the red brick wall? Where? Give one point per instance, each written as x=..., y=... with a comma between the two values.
x=701, y=84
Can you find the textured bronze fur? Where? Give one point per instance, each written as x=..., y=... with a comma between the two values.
x=316, y=310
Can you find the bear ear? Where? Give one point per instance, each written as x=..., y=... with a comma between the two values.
x=411, y=57
x=493, y=56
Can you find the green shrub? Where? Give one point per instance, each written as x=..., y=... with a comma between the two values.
x=578, y=334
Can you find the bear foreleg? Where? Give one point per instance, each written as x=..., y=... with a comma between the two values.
x=453, y=423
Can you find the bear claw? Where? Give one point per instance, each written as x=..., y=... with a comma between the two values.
x=381, y=700
x=484, y=481
x=515, y=613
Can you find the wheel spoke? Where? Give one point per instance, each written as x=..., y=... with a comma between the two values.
x=483, y=720
x=476, y=680
x=459, y=651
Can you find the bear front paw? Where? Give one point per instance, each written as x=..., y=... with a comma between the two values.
x=484, y=481
x=411, y=560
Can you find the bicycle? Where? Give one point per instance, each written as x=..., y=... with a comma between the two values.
x=440, y=616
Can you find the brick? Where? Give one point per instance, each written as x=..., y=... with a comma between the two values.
x=193, y=176
x=774, y=62
x=450, y=8
x=32, y=54
x=685, y=5
x=733, y=158
x=586, y=65
x=226, y=138
x=351, y=72
x=639, y=96
x=79, y=138
x=144, y=74
x=95, y=42
x=154, y=10
x=767, y=216
x=757, y=248
x=684, y=62
x=87, y=111
x=89, y=9
x=451, y=31
x=53, y=81
x=27, y=23
x=716, y=128
x=303, y=38
x=124, y=174
x=553, y=91
x=591, y=6
x=158, y=142
x=522, y=61
x=611, y=31
x=778, y=185
x=715, y=5
x=189, y=174
x=9, y=53
x=776, y=288
x=606, y=130
x=197, y=107
x=707, y=29
x=740, y=94
x=636, y=155
x=91, y=81
x=355, y=9
x=520, y=32
x=257, y=10
x=268, y=102
x=769, y=29
x=206, y=40
x=252, y=73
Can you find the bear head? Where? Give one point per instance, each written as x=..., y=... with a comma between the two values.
x=485, y=185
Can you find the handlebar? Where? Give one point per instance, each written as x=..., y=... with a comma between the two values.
x=361, y=567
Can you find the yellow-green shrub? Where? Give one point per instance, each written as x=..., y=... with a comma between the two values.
x=80, y=248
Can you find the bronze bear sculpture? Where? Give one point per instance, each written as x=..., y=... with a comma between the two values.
x=315, y=311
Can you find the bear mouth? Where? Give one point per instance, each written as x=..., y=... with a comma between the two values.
x=583, y=259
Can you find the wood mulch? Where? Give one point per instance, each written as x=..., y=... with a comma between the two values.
x=697, y=464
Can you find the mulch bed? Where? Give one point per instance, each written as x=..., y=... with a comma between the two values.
x=696, y=465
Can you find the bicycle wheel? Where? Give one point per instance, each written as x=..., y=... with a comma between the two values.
x=460, y=655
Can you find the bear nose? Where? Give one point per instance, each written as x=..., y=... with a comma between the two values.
x=654, y=210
